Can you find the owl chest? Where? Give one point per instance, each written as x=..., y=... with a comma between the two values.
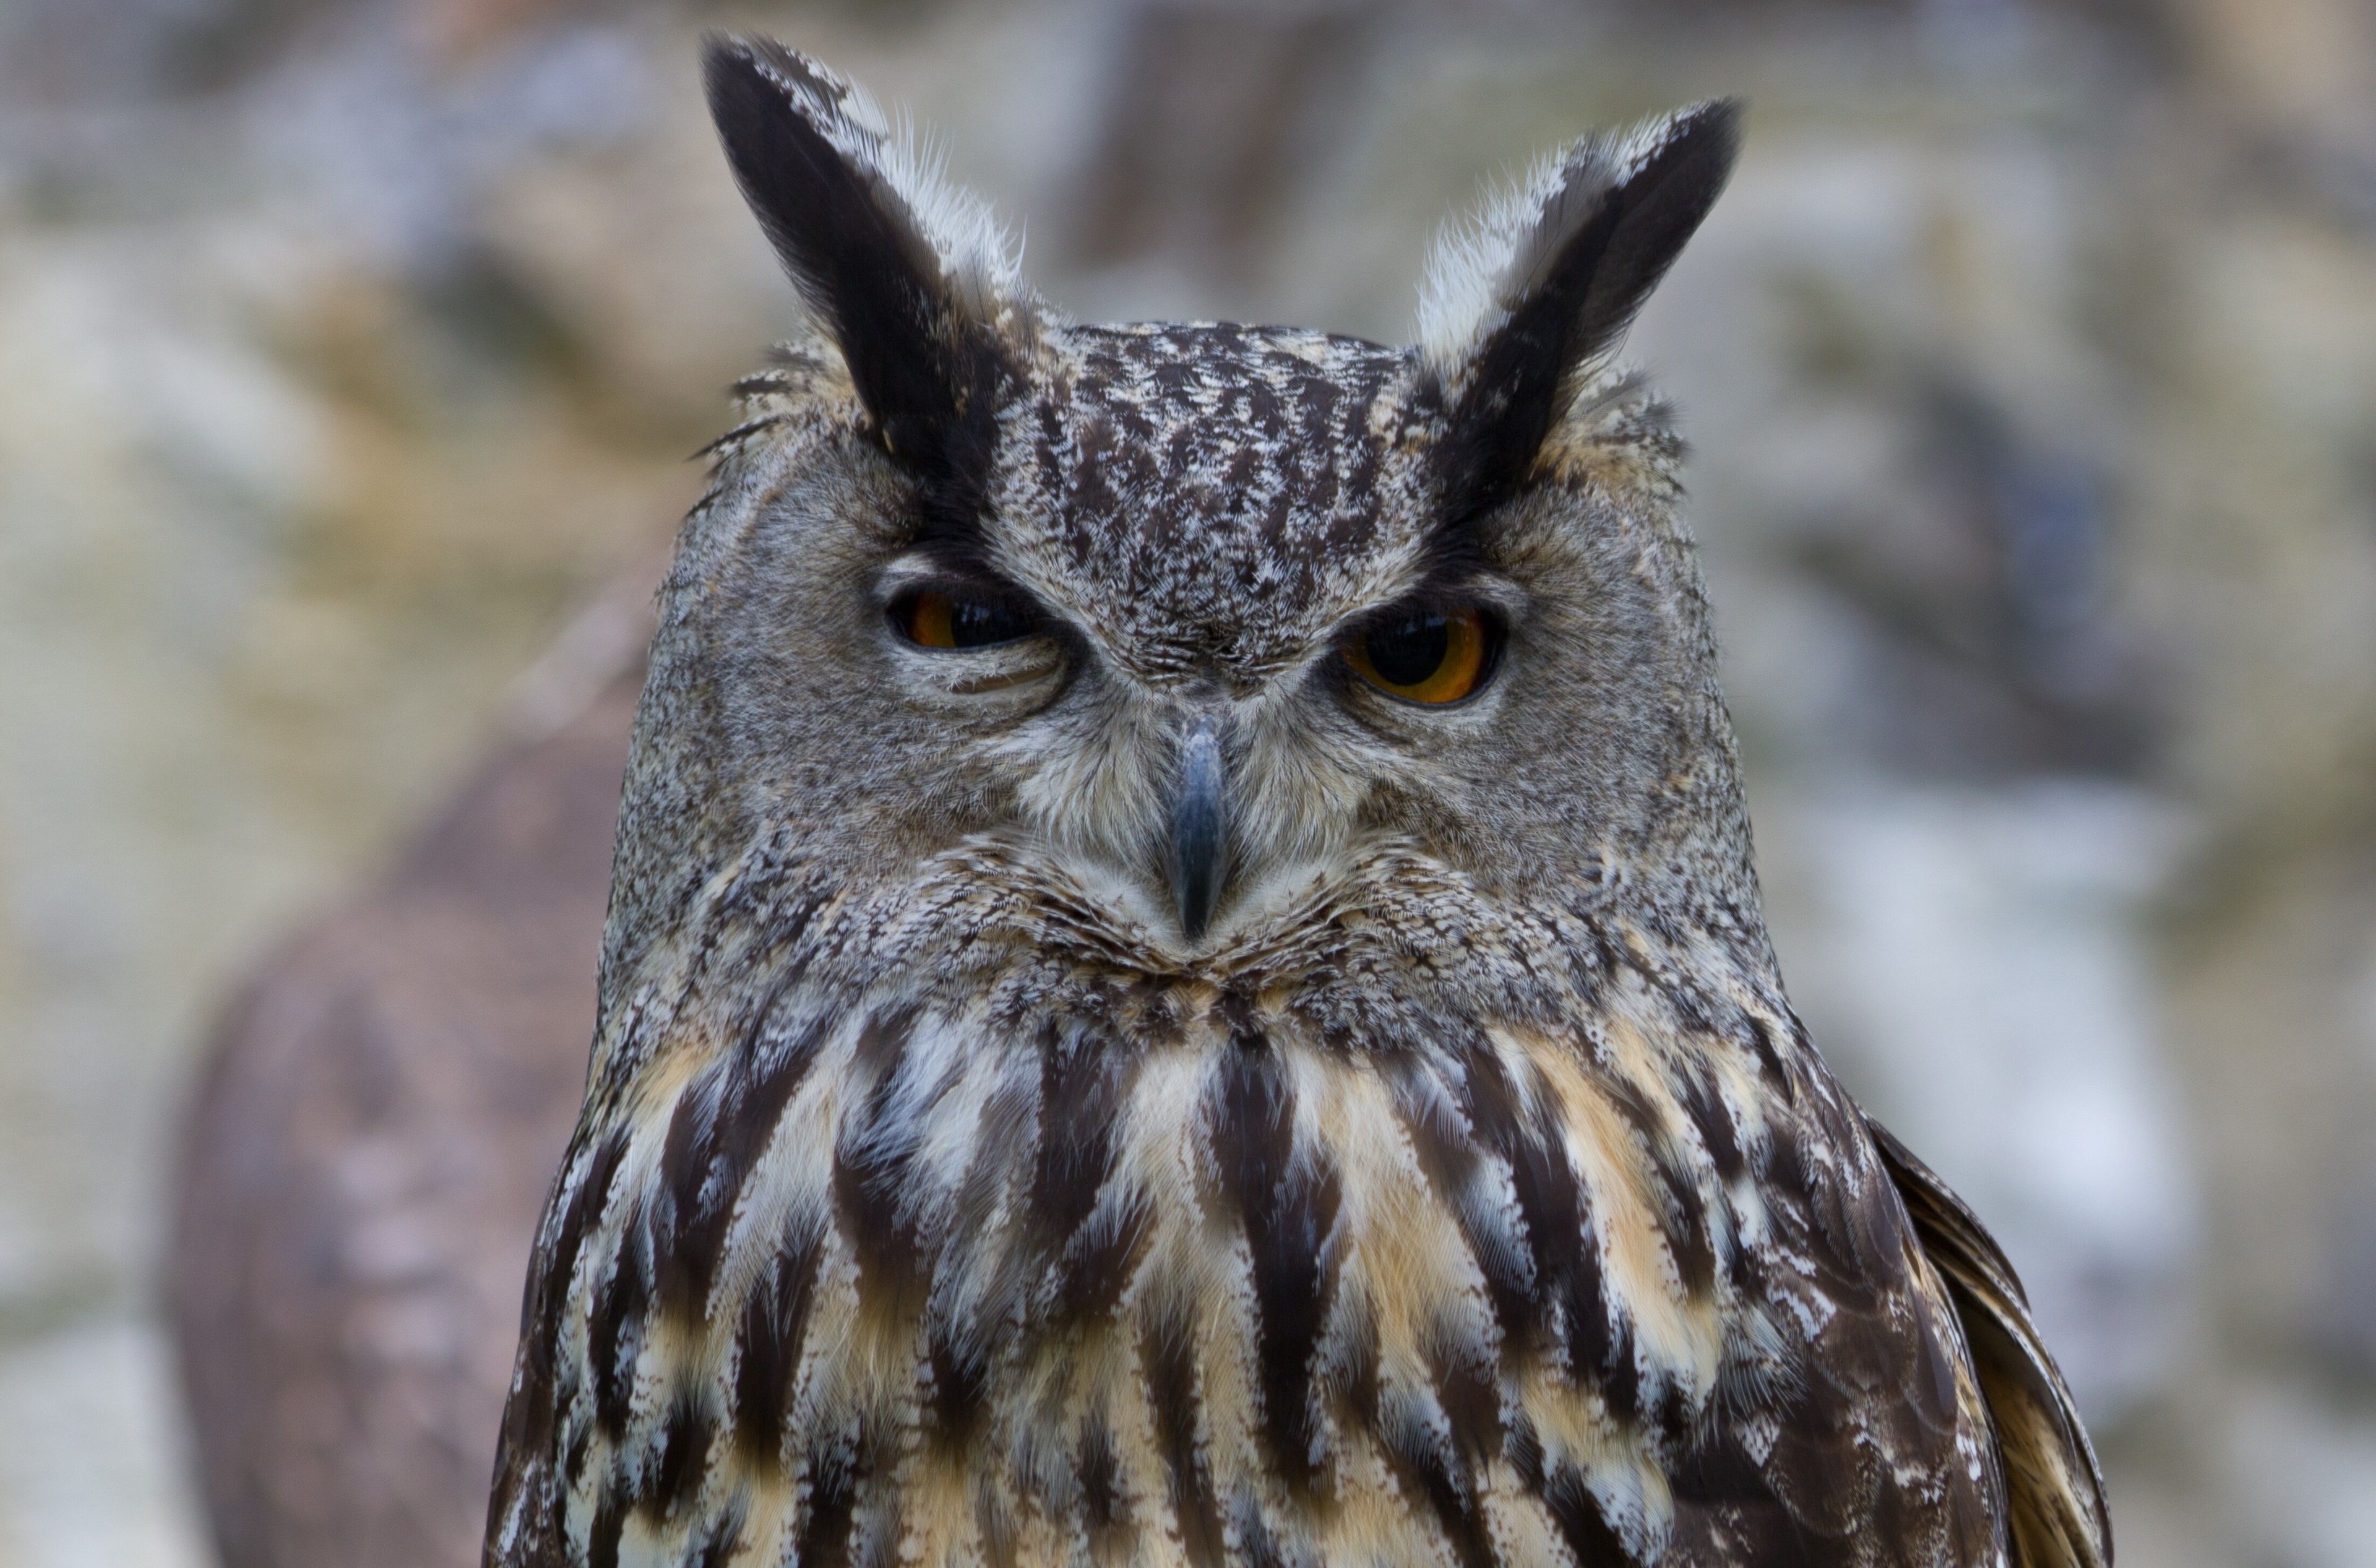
x=1276, y=1255
x=1419, y=1307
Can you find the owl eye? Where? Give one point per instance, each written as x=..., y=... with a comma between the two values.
x=1427, y=656
x=934, y=618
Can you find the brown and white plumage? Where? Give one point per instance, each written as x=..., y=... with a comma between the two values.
x=1135, y=1091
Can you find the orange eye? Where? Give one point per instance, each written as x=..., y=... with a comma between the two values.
x=1429, y=656
x=931, y=618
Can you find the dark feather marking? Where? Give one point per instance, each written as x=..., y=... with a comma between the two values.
x=1355, y=1378
x=1565, y=1253
x=1769, y=1059
x=686, y=1247
x=1467, y=1387
x=1429, y=1465
x=1709, y=1116
x=832, y=1500
x=579, y=1448
x=1582, y=1525
x=1784, y=1174
x=1524, y=1448
x=1289, y=1208
x=1235, y=1009
x=614, y=1330
x=1839, y=1230
x=1694, y=1011
x=1100, y=1475
x=1080, y=1094
x=870, y=1174
x=740, y=434
x=1447, y=1145
x=715, y=1138
x=1453, y=551
x=1084, y=1081
x=585, y=1207
x=1620, y=1379
x=1168, y=1356
x=528, y=1418
x=684, y=1439
x=1933, y=1385
x=960, y=1372
x=1686, y=1230
x=720, y=1539
x=1257, y=1545
x=775, y=1323
x=1103, y=1258
x=1716, y=1478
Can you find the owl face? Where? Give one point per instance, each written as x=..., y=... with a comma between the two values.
x=1194, y=539
x=1198, y=618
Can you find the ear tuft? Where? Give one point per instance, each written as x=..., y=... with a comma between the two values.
x=1522, y=300
x=913, y=280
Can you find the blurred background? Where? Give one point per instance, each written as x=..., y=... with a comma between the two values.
x=351, y=349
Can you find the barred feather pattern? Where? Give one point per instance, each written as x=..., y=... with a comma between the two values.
x=1063, y=1256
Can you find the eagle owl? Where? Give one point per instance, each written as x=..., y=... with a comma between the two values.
x=1185, y=980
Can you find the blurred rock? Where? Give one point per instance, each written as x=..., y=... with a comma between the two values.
x=1215, y=109
x=2308, y=1463
x=2344, y=1322
x=93, y=1472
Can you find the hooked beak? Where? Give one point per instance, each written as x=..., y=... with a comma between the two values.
x=1199, y=858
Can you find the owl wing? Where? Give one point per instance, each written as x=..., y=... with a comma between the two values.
x=2053, y=1480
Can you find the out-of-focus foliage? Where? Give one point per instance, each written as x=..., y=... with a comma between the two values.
x=345, y=345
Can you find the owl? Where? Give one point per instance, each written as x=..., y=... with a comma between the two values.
x=1185, y=980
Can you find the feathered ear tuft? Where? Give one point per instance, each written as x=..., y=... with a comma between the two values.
x=914, y=281
x=1520, y=302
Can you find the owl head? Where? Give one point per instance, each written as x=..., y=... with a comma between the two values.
x=1178, y=625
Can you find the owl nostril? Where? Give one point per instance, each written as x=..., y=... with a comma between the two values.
x=1199, y=850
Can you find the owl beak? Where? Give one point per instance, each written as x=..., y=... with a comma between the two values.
x=1199, y=858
